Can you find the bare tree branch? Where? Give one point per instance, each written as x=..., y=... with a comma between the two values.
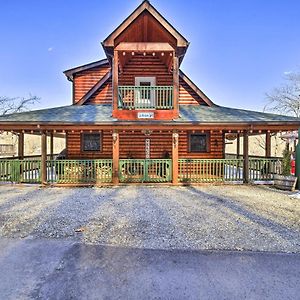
x=286, y=98
x=18, y=104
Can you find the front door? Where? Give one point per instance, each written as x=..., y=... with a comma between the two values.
x=145, y=95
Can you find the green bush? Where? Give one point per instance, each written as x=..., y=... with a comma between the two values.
x=286, y=162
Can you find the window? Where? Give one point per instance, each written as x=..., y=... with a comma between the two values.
x=198, y=142
x=91, y=142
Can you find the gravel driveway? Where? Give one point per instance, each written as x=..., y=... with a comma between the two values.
x=204, y=217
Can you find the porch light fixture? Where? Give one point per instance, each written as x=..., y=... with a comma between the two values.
x=147, y=132
x=175, y=139
x=115, y=137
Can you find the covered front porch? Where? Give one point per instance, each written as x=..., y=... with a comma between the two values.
x=103, y=150
x=155, y=155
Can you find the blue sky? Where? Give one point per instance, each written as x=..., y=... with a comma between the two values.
x=239, y=49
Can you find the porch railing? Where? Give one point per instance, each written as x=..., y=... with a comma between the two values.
x=210, y=170
x=145, y=170
x=58, y=171
x=145, y=97
x=263, y=169
x=227, y=170
x=25, y=171
x=138, y=170
x=79, y=171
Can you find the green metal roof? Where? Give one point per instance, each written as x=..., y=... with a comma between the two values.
x=101, y=114
x=65, y=114
x=220, y=114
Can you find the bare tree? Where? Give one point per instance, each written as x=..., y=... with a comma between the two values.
x=18, y=104
x=260, y=142
x=286, y=98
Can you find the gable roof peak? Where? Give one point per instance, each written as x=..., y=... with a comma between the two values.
x=145, y=6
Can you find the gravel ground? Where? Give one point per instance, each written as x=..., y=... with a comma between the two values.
x=251, y=218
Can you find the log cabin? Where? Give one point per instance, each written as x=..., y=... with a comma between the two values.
x=136, y=117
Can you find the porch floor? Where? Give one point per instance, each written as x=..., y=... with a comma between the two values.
x=206, y=217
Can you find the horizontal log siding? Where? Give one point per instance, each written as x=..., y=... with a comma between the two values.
x=187, y=95
x=137, y=66
x=132, y=144
x=85, y=80
x=103, y=95
x=216, y=146
x=74, y=146
x=148, y=66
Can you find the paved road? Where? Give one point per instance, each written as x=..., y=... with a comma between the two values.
x=61, y=269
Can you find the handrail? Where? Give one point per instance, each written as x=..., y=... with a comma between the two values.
x=26, y=157
x=233, y=155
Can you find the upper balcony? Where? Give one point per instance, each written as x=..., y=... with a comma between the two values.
x=145, y=81
x=145, y=97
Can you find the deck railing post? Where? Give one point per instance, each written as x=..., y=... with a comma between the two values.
x=298, y=161
x=246, y=157
x=238, y=146
x=175, y=140
x=115, y=137
x=175, y=82
x=51, y=145
x=268, y=144
x=115, y=79
x=21, y=153
x=44, y=157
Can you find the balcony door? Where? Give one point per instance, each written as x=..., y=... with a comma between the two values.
x=144, y=95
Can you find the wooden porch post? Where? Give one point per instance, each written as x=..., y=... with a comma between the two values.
x=115, y=174
x=238, y=145
x=175, y=82
x=246, y=157
x=44, y=158
x=175, y=138
x=21, y=152
x=268, y=144
x=21, y=145
x=115, y=78
x=51, y=145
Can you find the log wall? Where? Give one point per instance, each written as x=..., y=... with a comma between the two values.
x=137, y=66
x=147, y=66
x=132, y=145
x=85, y=80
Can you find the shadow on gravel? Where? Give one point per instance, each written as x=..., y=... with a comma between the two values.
x=14, y=200
x=280, y=229
x=73, y=213
x=30, y=211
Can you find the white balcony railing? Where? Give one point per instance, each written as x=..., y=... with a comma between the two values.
x=145, y=97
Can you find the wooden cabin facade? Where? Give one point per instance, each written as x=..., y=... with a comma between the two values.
x=136, y=117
